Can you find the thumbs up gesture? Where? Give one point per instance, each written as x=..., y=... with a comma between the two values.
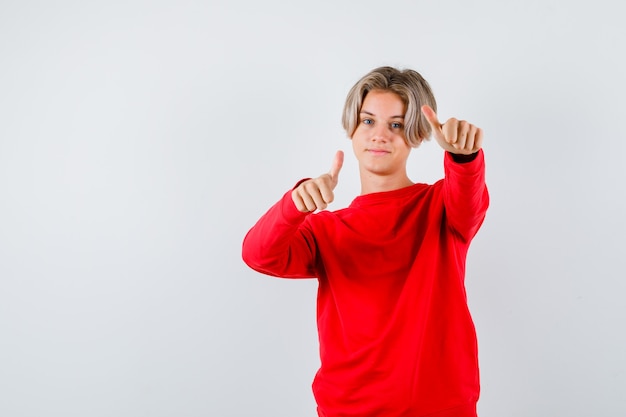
x=454, y=136
x=317, y=193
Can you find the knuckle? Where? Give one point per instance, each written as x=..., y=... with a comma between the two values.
x=303, y=186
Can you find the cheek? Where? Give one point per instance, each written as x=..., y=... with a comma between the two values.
x=402, y=146
x=354, y=143
x=403, y=143
x=357, y=138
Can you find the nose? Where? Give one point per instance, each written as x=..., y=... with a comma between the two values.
x=380, y=133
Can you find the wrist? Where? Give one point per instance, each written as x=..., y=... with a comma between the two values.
x=461, y=158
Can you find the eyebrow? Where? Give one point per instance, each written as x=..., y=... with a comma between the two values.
x=372, y=114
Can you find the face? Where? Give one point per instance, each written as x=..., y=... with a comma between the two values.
x=379, y=142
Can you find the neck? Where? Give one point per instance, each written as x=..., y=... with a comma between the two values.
x=371, y=183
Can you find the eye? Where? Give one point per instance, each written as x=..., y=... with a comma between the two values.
x=367, y=121
x=396, y=125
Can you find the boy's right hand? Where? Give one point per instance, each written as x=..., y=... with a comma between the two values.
x=317, y=193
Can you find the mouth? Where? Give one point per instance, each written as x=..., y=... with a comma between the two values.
x=378, y=152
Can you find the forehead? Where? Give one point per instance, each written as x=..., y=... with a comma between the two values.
x=383, y=102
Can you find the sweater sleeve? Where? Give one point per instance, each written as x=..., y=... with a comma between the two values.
x=279, y=244
x=465, y=195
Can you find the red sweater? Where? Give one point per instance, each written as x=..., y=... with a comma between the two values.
x=396, y=336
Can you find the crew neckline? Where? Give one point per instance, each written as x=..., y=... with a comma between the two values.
x=382, y=196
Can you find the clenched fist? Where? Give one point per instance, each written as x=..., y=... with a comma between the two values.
x=454, y=136
x=317, y=193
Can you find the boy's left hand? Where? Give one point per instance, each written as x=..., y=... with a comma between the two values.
x=455, y=136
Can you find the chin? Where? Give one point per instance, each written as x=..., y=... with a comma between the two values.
x=377, y=170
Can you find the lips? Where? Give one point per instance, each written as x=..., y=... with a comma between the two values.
x=378, y=151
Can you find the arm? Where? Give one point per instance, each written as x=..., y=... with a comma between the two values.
x=465, y=193
x=280, y=243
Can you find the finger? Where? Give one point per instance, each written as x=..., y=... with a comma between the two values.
x=471, y=139
x=312, y=191
x=302, y=197
x=463, y=131
x=450, y=131
x=478, y=141
x=297, y=200
x=336, y=166
x=326, y=192
x=307, y=200
x=431, y=117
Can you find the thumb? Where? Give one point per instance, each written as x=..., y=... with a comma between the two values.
x=336, y=166
x=431, y=116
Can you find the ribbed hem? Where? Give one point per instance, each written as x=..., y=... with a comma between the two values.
x=468, y=410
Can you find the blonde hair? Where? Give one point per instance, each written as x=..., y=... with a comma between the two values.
x=409, y=85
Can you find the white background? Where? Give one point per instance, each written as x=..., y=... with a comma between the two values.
x=140, y=140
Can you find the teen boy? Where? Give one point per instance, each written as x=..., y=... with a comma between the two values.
x=396, y=336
